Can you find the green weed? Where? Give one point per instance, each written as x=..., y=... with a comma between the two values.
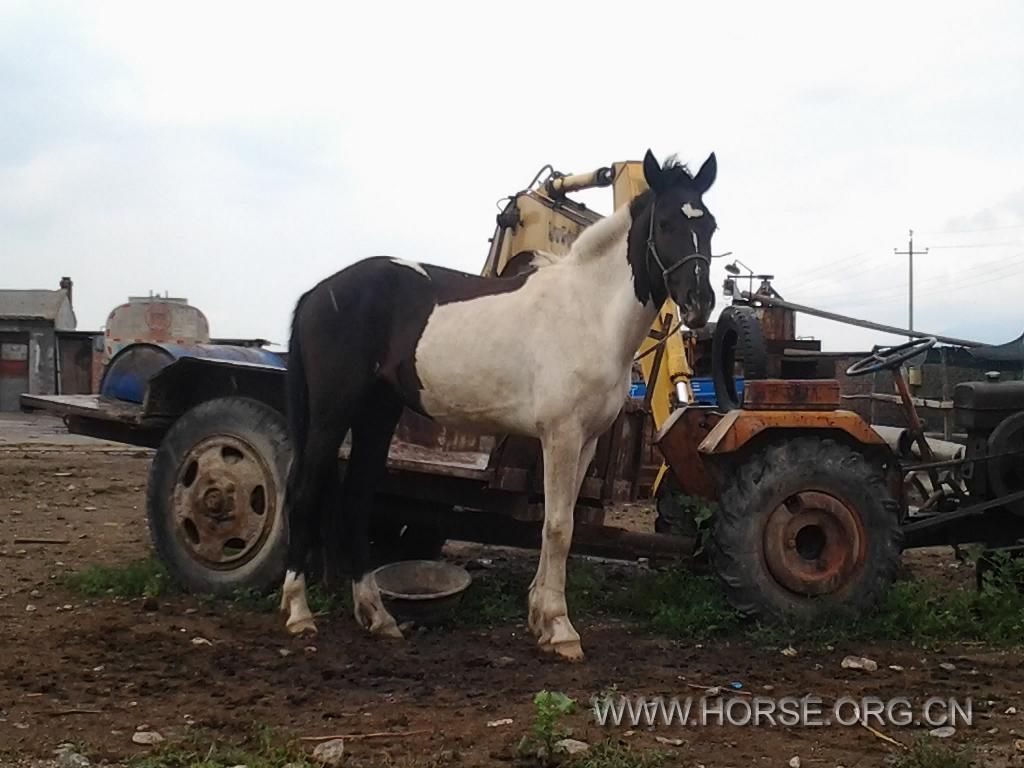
x=611, y=755
x=142, y=578
x=929, y=754
x=262, y=748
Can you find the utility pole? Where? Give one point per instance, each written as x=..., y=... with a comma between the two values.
x=910, y=283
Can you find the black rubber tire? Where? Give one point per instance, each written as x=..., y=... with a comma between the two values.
x=756, y=486
x=1005, y=473
x=264, y=430
x=737, y=336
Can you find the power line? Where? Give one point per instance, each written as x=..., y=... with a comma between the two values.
x=994, y=266
x=1009, y=272
x=979, y=245
x=827, y=271
x=980, y=229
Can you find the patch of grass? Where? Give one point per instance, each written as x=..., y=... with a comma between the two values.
x=142, y=578
x=149, y=578
x=262, y=748
x=494, y=598
x=608, y=754
x=319, y=599
x=673, y=602
x=929, y=754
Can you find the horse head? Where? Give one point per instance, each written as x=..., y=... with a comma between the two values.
x=679, y=230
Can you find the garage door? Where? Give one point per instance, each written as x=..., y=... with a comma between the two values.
x=13, y=373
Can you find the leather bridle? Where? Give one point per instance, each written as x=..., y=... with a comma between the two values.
x=652, y=250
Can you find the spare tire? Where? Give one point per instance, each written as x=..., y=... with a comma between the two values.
x=737, y=337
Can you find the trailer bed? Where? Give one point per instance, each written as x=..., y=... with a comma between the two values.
x=87, y=406
x=97, y=416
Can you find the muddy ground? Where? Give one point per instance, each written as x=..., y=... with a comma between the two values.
x=92, y=671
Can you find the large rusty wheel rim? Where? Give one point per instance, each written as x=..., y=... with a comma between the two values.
x=813, y=543
x=224, y=502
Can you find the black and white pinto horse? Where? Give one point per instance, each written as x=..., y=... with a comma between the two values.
x=545, y=354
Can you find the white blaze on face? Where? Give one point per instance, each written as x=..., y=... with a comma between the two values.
x=411, y=265
x=692, y=213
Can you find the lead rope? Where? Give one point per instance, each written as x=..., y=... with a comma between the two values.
x=660, y=341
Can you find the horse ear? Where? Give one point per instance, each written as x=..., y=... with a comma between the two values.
x=652, y=171
x=706, y=175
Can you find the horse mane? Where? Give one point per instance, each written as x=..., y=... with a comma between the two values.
x=675, y=172
x=597, y=236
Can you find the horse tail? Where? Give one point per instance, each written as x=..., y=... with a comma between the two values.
x=297, y=395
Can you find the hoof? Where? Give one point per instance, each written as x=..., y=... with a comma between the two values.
x=388, y=629
x=533, y=620
x=570, y=650
x=301, y=627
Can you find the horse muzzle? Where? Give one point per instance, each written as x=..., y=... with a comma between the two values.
x=696, y=313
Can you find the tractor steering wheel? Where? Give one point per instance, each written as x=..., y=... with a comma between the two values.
x=890, y=357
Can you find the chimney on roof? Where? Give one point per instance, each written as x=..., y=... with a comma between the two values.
x=66, y=285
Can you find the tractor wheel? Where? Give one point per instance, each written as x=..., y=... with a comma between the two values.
x=1006, y=473
x=737, y=337
x=805, y=529
x=215, y=497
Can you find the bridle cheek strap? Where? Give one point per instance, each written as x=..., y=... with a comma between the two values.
x=653, y=251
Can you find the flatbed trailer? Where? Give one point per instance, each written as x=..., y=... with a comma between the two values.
x=216, y=486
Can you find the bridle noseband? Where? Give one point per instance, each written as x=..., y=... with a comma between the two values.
x=652, y=250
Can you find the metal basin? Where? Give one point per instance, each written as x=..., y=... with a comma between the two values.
x=423, y=591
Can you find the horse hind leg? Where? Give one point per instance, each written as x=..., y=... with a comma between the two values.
x=371, y=438
x=313, y=471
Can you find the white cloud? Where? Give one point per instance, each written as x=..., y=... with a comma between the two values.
x=236, y=153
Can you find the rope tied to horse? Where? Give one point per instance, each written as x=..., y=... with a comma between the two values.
x=660, y=342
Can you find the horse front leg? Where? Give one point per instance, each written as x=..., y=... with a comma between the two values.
x=566, y=458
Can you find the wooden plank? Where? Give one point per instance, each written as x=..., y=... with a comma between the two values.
x=420, y=459
x=90, y=406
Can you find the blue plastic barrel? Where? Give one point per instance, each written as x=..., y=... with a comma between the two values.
x=128, y=372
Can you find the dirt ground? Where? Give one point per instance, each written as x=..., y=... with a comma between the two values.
x=92, y=671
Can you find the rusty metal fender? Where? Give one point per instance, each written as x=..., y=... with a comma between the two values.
x=737, y=428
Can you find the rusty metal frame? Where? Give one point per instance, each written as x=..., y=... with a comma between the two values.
x=738, y=428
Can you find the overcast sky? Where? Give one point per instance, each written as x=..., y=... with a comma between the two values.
x=236, y=153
